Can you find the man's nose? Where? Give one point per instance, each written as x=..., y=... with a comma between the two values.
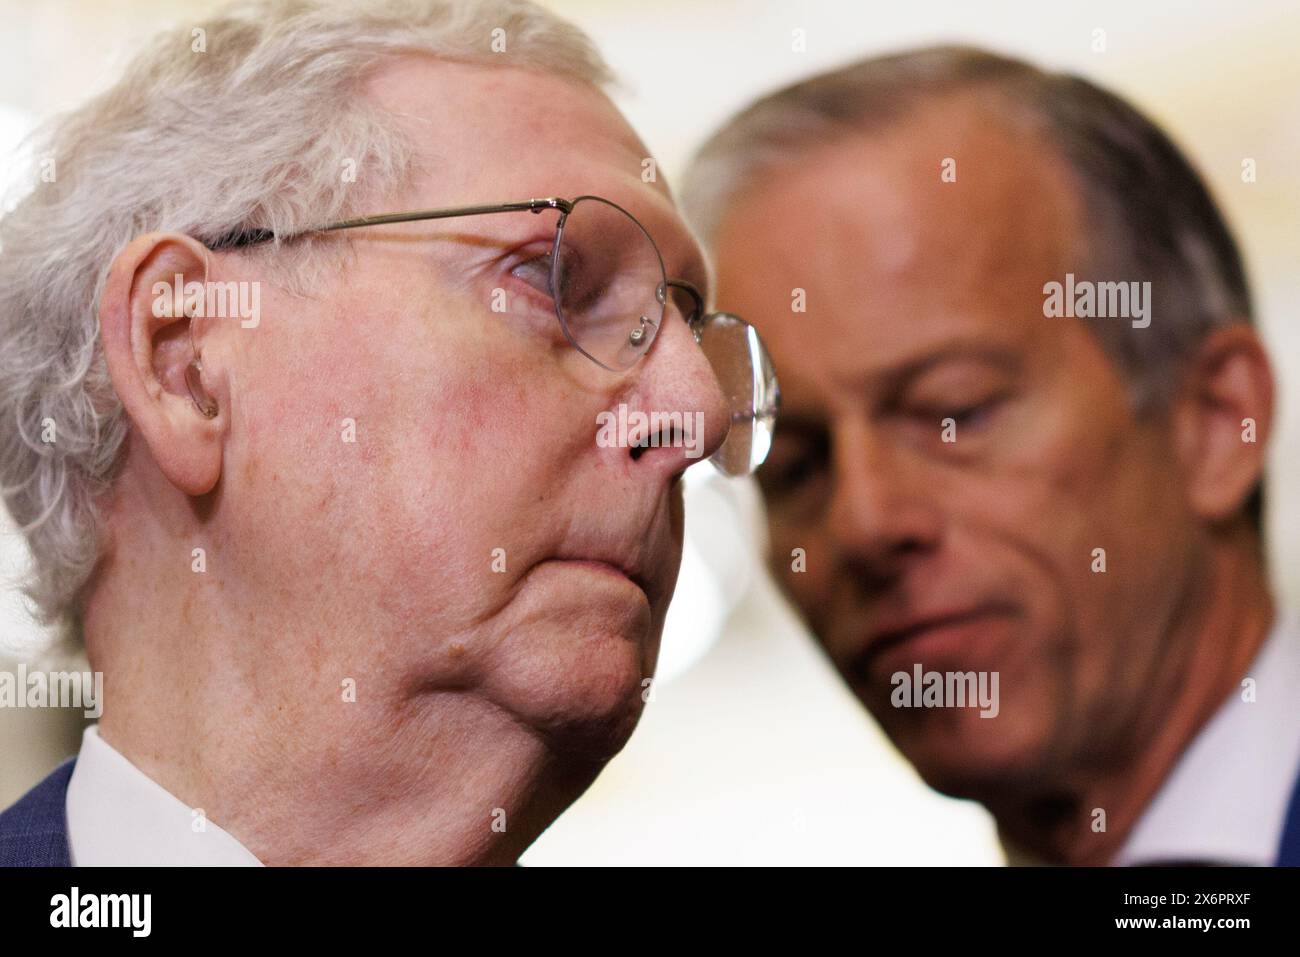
x=882, y=514
x=678, y=392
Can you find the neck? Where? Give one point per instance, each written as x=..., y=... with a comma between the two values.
x=299, y=775
x=238, y=697
x=451, y=782
x=1229, y=614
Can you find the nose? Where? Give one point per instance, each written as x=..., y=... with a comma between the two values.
x=881, y=515
x=677, y=392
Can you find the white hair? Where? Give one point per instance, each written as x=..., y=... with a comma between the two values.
x=242, y=121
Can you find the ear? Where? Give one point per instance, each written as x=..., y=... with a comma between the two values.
x=149, y=344
x=1222, y=416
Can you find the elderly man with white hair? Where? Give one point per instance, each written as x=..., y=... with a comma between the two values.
x=305, y=352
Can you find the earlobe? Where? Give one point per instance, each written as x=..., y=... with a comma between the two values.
x=1226, y=411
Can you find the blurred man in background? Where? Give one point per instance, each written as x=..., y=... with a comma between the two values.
x=1023, y=440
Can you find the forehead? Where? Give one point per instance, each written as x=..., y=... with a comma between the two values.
x=895, y=259
x=489, y=133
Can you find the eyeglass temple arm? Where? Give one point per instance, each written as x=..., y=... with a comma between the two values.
x=252, y=237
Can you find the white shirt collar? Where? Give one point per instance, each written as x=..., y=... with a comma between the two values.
x=1226, y=798
x=119, y=816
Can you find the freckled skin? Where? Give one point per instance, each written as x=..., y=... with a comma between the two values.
x=372, y=560
x=1102, y=676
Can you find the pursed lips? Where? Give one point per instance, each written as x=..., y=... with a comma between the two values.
x=634, y=551
x=625, y=570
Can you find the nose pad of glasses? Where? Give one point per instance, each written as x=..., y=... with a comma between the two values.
x=643, y=334
x=638, y=340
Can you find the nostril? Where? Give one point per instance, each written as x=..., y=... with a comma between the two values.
x=664, y=438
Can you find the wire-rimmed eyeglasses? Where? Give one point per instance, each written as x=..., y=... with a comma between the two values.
x=606, y=278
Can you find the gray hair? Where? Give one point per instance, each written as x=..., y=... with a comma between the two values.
x=1152, y=216
x=242, y=121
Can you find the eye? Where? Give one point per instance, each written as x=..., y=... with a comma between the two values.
x=536, y=273
x=970, y=391
x=970, y=416
x=789, y=476
x=792, y=466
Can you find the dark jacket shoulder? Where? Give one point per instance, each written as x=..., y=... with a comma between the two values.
x=34, y=831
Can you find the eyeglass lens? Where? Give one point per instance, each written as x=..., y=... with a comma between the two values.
x=610, y=292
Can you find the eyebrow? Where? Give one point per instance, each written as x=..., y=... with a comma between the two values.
x=804, y=423
x=886, y=383
x=894, y=378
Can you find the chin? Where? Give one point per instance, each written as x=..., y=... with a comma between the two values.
x=596, y=725
x=598, y=740
x=584, y=698
x=963, y=755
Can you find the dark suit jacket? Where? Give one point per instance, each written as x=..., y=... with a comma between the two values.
x=34, y=832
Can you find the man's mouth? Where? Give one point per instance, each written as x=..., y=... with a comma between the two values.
x=613, y=569
x=964, y=639
x=607, y=568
